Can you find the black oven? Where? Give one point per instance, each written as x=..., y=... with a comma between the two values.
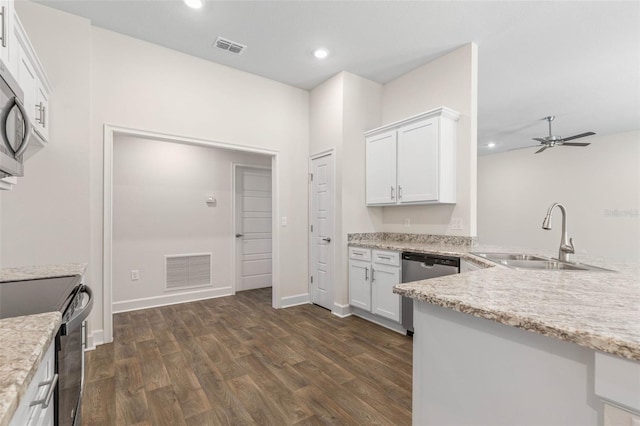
x=70, y=359
x=74, y=300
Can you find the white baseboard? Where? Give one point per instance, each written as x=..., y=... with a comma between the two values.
x=299, y=299
x=170, y=299
x=95, y=338
x=341, y=311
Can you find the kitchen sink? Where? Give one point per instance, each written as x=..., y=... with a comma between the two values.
x=509, y=256
x=533, y=262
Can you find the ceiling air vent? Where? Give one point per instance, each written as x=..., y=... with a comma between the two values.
x=230, y=46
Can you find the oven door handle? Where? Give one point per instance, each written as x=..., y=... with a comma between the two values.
x=79, y=316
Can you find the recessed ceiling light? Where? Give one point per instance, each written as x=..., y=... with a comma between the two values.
x=321, y=53
x=195, y=4
x=491, y=144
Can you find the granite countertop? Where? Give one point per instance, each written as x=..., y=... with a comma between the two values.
x=42, y=271
x=595, y=309
x=25, y=339
x=24, y=343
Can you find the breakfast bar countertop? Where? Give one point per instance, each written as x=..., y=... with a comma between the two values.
x=596, y=309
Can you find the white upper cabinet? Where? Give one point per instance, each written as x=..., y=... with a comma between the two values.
x=413, y=161
x=6, y=12
x=381, y=161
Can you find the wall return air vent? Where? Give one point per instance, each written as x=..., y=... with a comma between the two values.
x=229, y=46
x=187, y=271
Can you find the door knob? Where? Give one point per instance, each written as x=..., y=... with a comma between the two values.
x=239, y=235
x=327, y=239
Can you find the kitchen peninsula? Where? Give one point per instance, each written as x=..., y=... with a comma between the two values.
x=557, y=343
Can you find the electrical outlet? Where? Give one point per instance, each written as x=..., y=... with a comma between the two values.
x=407, y=222
x=283, y=221
x=135, y=275
x=456, y=223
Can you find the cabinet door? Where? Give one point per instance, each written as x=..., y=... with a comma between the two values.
x=6, y=9
x=384, y=302
x=28, y=82
x=418, y=162
x=381, y=169
x=360, y=284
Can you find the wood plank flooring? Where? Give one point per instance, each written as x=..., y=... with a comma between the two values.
x=237, y=361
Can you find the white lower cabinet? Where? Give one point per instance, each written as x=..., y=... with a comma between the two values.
x=37, y=405
x=371, y=282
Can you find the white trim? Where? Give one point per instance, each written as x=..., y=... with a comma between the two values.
x=107, y=233
x=170, y=299
x=332, y=153
x=299, y=299
x=96, y=338
x=341, y=311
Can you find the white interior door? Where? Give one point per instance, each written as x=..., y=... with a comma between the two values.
x=253, y=228
x=322, y=264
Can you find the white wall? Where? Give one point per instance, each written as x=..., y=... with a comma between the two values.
x=159, y=208
x=45, y=218
x=599, y=185
x=101, y=77
x=451, y=81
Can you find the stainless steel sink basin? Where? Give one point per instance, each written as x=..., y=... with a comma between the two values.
x=541, y=263
x=509, y=256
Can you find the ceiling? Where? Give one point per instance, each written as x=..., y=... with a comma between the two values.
x=577, y=60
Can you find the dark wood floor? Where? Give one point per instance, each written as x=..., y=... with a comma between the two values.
x=236, y=361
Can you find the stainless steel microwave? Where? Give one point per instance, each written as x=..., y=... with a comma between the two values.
x=15, y=126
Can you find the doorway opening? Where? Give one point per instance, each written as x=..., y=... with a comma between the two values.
x=208, y=199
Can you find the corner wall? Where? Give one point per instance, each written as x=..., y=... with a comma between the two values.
x=451, y=81
x=599, y=185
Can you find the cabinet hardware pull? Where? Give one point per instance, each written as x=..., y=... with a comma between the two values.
x=43, y=110
x=384, y=257
x=4, y=26
x=366, y=274
x=373, y=274
x=393, y=196
x=399, y=192
x=39, y=114
x=358, y=254
x=47, y=398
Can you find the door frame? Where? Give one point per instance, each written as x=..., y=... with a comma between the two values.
x=235, y=260
x=332, y=153
x=109, y=133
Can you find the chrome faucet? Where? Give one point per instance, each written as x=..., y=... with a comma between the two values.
x=566, y=244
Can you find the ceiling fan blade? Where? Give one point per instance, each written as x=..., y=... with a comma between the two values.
x=581, y=135
x=574, y=143
x=541, y=149
x=539, y=140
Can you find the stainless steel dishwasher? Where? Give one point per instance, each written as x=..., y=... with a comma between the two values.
x=420, y=266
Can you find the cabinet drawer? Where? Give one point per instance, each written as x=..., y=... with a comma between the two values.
x=359, y=253
x=386, y=257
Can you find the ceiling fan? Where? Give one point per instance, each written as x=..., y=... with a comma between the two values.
x=551, y=140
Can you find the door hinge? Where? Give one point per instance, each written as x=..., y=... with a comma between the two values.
x=311, y=228
x=311, y=279
x=310, y=177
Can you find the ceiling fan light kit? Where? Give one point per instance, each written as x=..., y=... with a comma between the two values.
x=552, y=140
